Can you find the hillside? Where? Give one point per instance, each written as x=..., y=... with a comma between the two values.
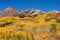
x=29, y=25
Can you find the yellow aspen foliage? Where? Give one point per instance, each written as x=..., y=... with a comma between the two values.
x=47, y=12
x=58, y=27
x=23, y=33
x=28, y=28
x=53, y=21
x=17, y=33
x=58, y=34
x=43, y=35
x=37, y=36
x=30, y=36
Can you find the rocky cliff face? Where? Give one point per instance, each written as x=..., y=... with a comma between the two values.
x=8, y=12
x=22, y=13
x=12, y=12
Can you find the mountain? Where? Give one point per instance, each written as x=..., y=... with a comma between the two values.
x=22, y=13
x=9, y=9
x=8, y=12
x=12, y=12
x=29, y=12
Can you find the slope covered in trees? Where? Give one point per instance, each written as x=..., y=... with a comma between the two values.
x=38, y=26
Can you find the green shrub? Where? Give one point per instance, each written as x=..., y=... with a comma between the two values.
x=53, y=28
x=58, y=20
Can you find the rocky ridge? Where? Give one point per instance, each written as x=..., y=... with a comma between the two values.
x=12, y=12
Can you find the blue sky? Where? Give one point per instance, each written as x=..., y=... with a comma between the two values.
x=44, y=5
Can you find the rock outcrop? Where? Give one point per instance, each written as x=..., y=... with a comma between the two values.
x=23, y=13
